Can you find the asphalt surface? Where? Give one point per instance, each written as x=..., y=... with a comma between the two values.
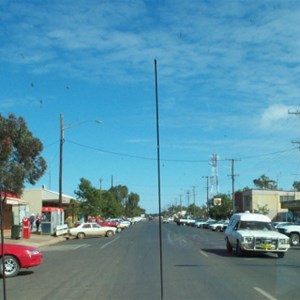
x=35, y=240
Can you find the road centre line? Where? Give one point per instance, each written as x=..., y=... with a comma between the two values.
x=268, y=296
x=102, y=247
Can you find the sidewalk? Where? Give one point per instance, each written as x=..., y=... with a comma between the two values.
x=36, y=240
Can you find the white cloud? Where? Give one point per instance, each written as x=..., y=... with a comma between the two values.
x=275, y=116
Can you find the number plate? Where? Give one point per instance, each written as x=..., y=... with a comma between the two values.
x=267, y=246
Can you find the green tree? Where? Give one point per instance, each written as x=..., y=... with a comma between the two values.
x=110, y=206
x=120, y=192
x=222, y=211
x=132, y=208
x=112, y=203
x=90, y=199
x=262, y=209
x=296, y=186
x=265, y=182
x=20, y=159
x=196, y=211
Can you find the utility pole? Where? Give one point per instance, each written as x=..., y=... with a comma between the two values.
x=194, y=201
x=180, y=201
x=298, y=114
x=100, y=181
x=294, y=113
x=61, y=144
x=207, y=192
x=188, y=198
x=232, y=175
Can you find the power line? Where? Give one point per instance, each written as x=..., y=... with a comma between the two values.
x=172, y=160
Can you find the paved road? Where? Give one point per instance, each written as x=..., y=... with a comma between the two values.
x=127, y=266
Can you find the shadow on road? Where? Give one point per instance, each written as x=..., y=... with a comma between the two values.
x=225, y=253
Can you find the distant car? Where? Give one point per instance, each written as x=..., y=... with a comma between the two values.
x=207, y=223
x=91, y=229
x=122, y=223
x=217, y=225
x=18, y=257
x=199, y=222
x=135, y=220
x=103, y=222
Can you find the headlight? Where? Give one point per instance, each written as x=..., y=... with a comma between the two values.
x=248, y=239
x=33, y=252
x=283, y=241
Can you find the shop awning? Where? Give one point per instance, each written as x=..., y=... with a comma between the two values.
x=12, y=199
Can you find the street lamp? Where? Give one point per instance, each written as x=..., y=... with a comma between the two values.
x=62, y=139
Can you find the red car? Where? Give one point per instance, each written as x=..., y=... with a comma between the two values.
x=104, y=222
x=18, y=257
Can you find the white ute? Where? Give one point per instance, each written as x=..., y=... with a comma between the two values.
x=253, y=232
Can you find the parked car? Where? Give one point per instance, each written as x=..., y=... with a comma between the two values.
x=247, y=232
x=91, y=229
x=292, y=231
x=217, y=225
x=103, y=222
x=277, y=225
x=165, y=220
x=199, y=222
x=184, y=220
x=121, y=223
x=207, y=223
x=18, y=257
x=135, y=220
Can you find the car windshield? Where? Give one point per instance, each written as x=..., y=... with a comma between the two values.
x=255, y=225
x=144, y=110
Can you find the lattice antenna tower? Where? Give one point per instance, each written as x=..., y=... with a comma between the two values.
x=214, y=180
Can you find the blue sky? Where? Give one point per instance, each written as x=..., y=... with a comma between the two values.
x=228, y=74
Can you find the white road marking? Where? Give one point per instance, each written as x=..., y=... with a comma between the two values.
x=102, y=247
x=203, y=253
x=268, y=296
x=64, y=247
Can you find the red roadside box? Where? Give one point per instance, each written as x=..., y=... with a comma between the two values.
x=26, y=228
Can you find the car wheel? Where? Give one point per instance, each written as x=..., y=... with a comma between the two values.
x=11, y=266
x=295, y=239
x=280, y=254
x=238, y=250
x=109, y=233
x=80, y=235
x=218, y=229
x=228, y=246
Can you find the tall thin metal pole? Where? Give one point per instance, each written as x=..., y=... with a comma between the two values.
x=158, y=180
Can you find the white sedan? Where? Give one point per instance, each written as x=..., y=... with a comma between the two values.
x=91, y=229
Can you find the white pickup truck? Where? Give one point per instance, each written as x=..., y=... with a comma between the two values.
x=247, y=232
x=188, y=220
